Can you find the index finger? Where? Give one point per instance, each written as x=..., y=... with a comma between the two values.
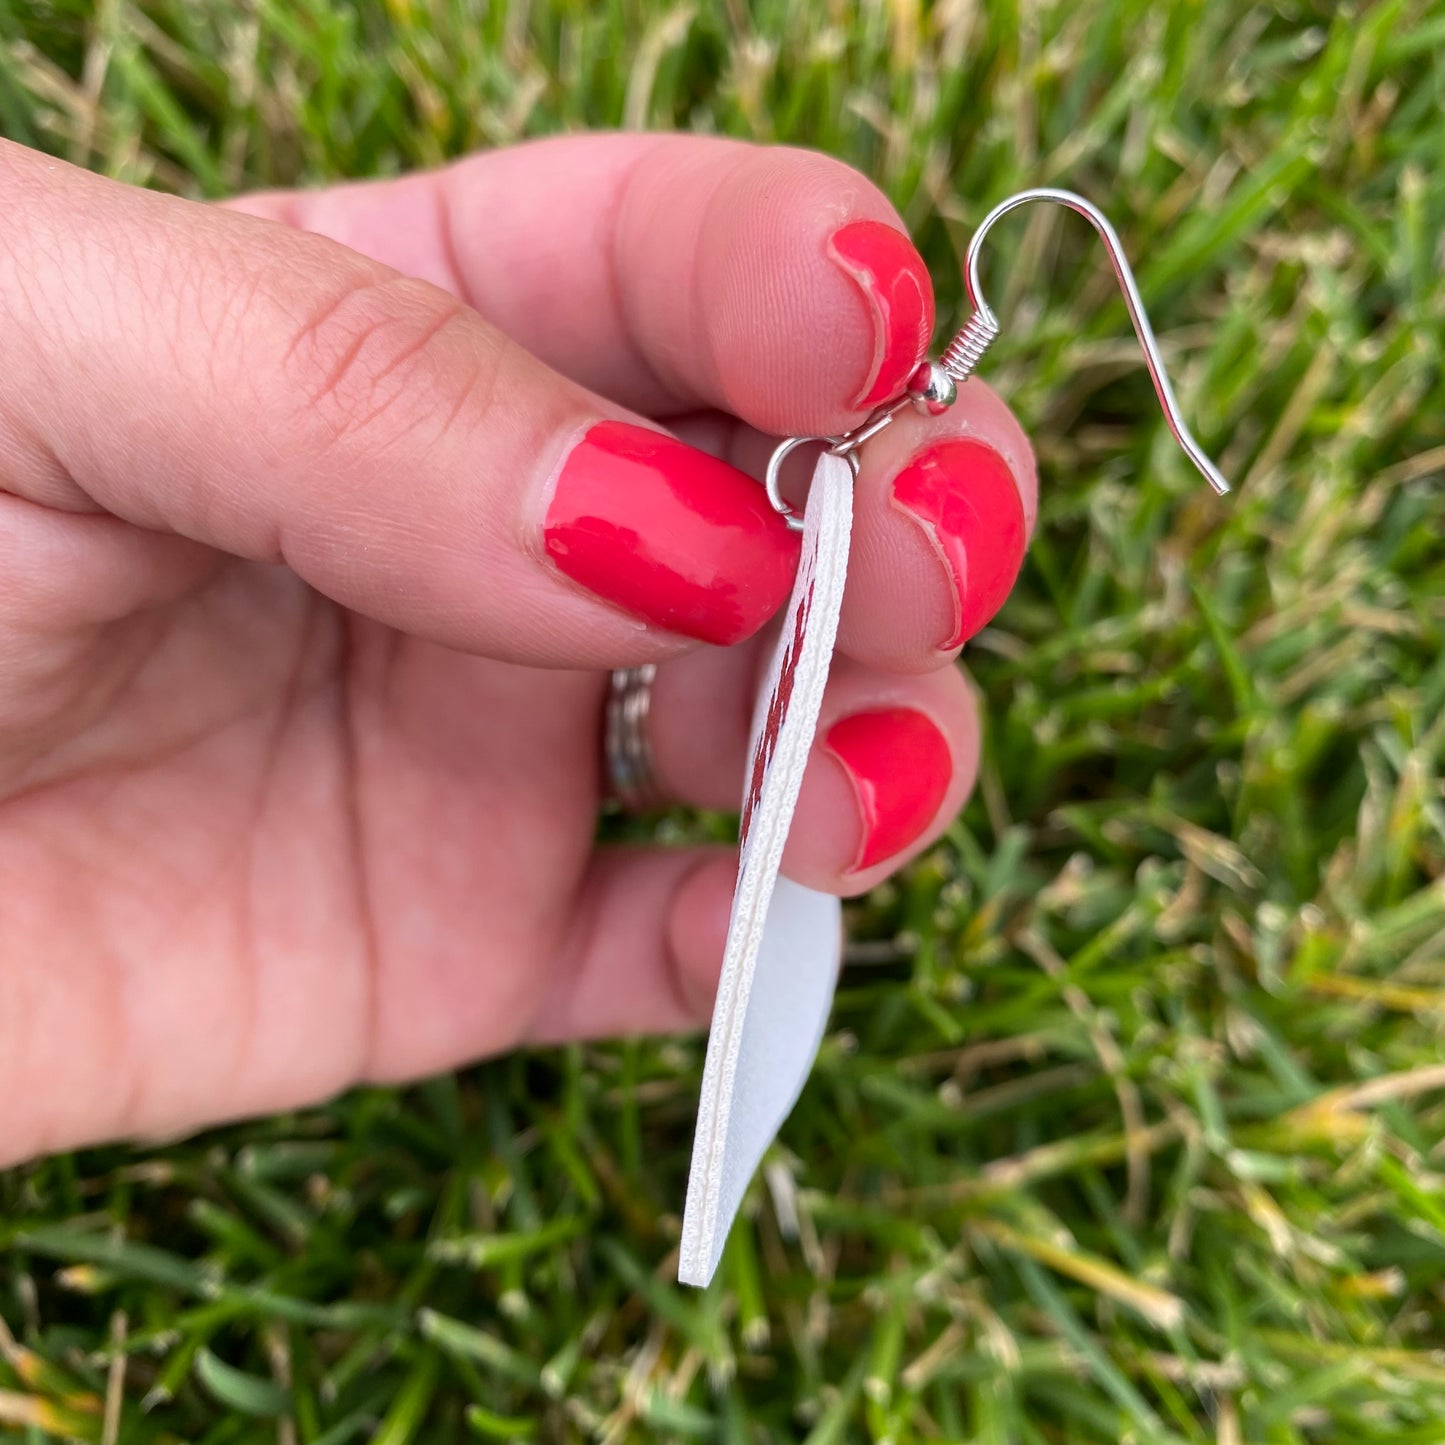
x=682, y=274
x=670, y=273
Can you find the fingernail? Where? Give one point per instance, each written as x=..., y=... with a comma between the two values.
x=899, y=766
x=669, y=534
x=964, y=496
x=896, y=285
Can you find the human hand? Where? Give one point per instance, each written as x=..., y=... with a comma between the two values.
x=324, y=517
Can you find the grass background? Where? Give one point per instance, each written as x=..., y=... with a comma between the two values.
x=1129, y=1123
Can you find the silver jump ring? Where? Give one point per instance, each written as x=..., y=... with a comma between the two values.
x=845, y=447
x=627, y=752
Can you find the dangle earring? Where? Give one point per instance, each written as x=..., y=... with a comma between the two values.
x=785, y=942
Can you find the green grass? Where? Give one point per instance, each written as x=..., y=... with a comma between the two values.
x=1129, y=1123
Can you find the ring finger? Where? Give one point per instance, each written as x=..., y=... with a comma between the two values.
x=893, y=759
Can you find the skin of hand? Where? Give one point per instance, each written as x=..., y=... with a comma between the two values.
x=323, y=517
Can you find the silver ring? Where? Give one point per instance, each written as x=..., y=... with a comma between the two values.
x=631, y=769
x=841, y=446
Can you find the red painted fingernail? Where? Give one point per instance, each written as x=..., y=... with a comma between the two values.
x=899, y=292
x=669, y=534
x=964, y=496
x=899, y=765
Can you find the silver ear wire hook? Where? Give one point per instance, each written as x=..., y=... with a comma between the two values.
x=964, y=354
x=933, y=387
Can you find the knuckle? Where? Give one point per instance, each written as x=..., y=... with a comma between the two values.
x=379, y=360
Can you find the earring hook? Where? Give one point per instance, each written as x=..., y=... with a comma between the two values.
x=934, y=385
x=963, y=353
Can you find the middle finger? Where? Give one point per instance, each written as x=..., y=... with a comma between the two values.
x=943, y=509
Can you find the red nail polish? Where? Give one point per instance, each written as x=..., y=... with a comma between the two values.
x=964, y=496
x=894, y=281
x=899, y=765
x=669, y=534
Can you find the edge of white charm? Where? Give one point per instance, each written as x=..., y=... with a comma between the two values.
x=828, y=521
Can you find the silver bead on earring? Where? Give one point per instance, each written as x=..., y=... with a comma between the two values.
x=931, y=389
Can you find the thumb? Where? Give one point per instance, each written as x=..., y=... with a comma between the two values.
x=277, y=396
